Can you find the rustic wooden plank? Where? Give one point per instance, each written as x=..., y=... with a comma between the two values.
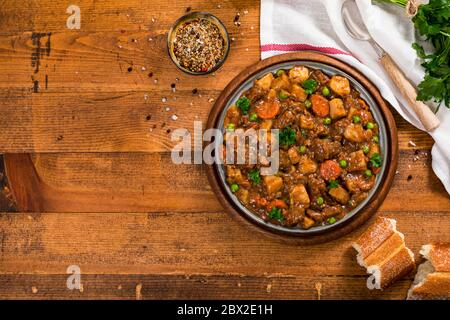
x=180, y=243
x=114, y=37
x=168, y=251
x=114, y=15
x=107, y=62
x=7, y=203
x=197, y=286
x=107, y=122
x=108, y=182
x=140, y=182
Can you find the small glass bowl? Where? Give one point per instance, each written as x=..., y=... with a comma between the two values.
x=189, y=17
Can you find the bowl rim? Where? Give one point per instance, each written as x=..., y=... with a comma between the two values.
x=191, y=16
x=391, y=150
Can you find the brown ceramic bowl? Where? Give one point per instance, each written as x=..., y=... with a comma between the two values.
x=388, y=144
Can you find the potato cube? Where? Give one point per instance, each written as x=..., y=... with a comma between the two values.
x=294, y=155
x=299, y=196
x=340, y=85
x=306, y=165
x=298, y=93
x=340, y=195
x=265, y=82
x=299, y=74
x=337, y=109
x=273, y=183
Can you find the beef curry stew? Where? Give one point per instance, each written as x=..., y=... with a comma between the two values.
x=329, y=150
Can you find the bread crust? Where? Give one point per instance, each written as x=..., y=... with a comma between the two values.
x=432, y=280
x=382, y=251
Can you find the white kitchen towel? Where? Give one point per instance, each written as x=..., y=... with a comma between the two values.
x=293, y=25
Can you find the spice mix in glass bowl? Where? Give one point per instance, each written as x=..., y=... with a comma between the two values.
x=198, y=43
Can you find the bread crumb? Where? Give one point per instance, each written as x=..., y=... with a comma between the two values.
x=119, y=287
x=34, y=290
x=138, y=291
x=269, y=288
x=318, y=287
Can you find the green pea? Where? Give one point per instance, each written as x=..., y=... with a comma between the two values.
x=308, y=104
x=302, y=149
x=234, y=187
x=370, y=125
x=375, y=139
x=279, y=72
x=283, y=95
x=368, y=173
x=343, y=163
x=230, y=126
x=325, y=91
x=319, y=201
x=366, y=149
x=253, y=117
x=331, y=220
x=356, y=119
x=327, y=120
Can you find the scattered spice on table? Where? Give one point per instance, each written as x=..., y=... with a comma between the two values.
x=199, y=45
x=237, y=23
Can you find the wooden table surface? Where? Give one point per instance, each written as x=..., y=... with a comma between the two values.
x=85, y=136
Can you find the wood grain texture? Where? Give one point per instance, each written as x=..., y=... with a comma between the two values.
x=141, y=182
x=98, y=188
x=162, y=246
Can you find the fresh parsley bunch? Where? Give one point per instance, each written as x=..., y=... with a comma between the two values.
x=433, y=21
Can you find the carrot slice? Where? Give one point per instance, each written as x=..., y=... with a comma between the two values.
x=260, y=201
x=330, y=170
x=278, y=204
x=320, y=105
x=268, y=109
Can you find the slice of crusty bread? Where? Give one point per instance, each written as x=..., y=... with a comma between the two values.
x=382, y=251
x=432, y=279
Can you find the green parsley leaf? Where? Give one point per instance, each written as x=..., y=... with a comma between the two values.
x=376, y=160
x=254, y=176
x=333, y=184
x=275, y=213
x=432, y=21
x=287, y=137
x=244, y=104
x=310, y=86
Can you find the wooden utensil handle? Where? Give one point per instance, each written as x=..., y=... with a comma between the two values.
x=423, y=112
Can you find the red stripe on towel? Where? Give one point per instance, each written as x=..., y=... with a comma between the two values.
x=299, y=47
